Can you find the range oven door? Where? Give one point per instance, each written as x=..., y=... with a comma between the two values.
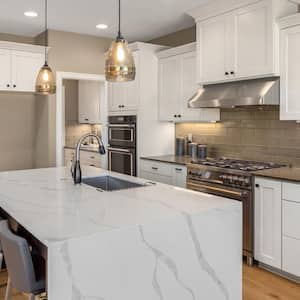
x=122, y=135
x=122, y=160
x=245, y=196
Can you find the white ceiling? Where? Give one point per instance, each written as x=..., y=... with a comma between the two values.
x=141, y=20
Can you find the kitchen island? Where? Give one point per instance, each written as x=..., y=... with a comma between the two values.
x=151, y=242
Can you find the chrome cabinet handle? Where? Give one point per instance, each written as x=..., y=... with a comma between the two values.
x=178, y=169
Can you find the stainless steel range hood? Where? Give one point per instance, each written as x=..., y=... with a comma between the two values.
x=242, y=93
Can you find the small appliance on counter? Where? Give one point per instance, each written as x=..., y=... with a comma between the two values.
x=202, y=152
x=192, y=150
x=180, y=146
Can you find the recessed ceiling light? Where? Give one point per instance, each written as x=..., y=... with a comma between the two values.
x=30, y=14
x=101, y=26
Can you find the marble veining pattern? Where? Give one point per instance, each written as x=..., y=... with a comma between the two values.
x=156, y=242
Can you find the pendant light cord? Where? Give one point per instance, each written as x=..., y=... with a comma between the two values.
x=119, y=31
x=46, y=31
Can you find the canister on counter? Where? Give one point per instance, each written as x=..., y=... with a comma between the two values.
x=192, y=150
x=180, y=146
x=202, y=152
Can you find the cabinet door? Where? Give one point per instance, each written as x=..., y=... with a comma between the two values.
x=290, y=74
x=268, y=233
x=25, y=68
x=169, y=88
x=253, y=41
x=188, y=87
x=89, y=98
x=179, y=176
x=131, y=89
x=124, y=96
x=5, y=73
x=212, y=43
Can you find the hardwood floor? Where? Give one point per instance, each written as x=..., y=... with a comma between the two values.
x=257, y=285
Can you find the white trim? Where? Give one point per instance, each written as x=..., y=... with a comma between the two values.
x=60, y=110
x=177, y=50
x=22, y=47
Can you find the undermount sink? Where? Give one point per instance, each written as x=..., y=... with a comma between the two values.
x=109, y=183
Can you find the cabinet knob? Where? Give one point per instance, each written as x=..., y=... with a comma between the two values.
x=175, y=116
x=257, y=185
x=179, y=116
x=7, y=85
x=14, y=86
x=232, y=73
x=226, y=73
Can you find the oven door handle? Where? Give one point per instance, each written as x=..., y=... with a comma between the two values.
x=121, y=125
x=119, y=150
x=216, y=189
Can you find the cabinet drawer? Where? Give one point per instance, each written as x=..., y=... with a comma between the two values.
x=164, y=169
x=87, y=155
x=291, y=254
x=291, y=191
x=156, y=177
x=291, y=219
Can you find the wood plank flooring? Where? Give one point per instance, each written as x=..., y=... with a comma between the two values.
x=257, y=285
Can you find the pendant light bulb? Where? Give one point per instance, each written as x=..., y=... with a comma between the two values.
x=45, y=82
x=119, y=64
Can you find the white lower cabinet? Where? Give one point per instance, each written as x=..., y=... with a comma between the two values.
x=87, y=158
x=268, y=222
x=277, y=224
x=163, y=172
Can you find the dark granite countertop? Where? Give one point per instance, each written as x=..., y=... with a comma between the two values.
x=173, y=159
x=285, y=173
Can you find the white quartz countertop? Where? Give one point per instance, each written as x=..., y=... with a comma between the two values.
x=47, y=203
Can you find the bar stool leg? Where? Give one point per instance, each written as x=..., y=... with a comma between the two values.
x=1, y=260
x=8, y=290
x=31, y=297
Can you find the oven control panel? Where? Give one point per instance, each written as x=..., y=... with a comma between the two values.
x=211, y=176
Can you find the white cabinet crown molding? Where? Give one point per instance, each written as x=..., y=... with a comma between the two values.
x=177, y=50
x=289, y=21
x=216, y=8
x=22, y=47
x=146, y=47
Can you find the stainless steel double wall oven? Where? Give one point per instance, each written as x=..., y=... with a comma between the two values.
x=122, y=144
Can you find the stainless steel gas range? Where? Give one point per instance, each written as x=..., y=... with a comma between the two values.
x=231, y=179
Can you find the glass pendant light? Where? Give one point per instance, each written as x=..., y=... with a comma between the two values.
x=45, y=82
x=119, y=65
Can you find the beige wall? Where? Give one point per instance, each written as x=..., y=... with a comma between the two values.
x=70, y=52
x=16, y=38
x=249, y=134
x=177, y=38
x=17, y=131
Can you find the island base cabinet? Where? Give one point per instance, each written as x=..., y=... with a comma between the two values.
x=291, y=256
x=268, y=233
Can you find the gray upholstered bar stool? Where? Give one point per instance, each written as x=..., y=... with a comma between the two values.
x=26, y=271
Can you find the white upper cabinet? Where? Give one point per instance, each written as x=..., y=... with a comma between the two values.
x=239, y=42
x=20, y=64
x=253, y=42
x=124, y=96
x=177, y=83
x=212, y=44
x=5, y=71
x=290, y=68
x=89, y=102
x=25, y=69
x=169, y=87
